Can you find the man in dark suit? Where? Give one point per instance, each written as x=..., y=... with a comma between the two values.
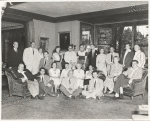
x=25, y=76
x=92, y=56
x=14, y=56
x=46, y=61
x=127, y=57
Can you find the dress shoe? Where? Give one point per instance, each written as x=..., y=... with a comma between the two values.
x=121, y=96
x=97, y=97
x=40, y=97
x=115, y=98
x=83, y=97
x=53, y=94
x=33, y=97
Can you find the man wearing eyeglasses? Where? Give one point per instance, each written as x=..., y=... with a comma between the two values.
x=70, y=57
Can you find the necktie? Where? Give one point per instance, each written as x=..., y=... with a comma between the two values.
x=95, y=84
x=111, y=57
x=42, y=79
x=92, y=53
x=45, y=62
x=69, y=81
x=33, y=51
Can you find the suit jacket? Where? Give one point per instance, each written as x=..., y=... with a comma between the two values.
x=14, y=58
x=136, y=75
x=47, y=65
x=128, y=59
x=27, y=73
x=46, y=79
x=92, y=61
x=29, y=58
x=99, y=84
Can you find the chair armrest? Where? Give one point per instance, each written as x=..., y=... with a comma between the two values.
x=19, y=81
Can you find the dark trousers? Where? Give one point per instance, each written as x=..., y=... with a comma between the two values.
x=44, y=89
x=75, y=93
x=121, y=81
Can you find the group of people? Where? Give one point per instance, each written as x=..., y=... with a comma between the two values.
x=88, y=73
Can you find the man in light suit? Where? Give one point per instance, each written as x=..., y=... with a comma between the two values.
x=46, y=61
x=109, y=59
x=95, y=87
x=127, y=78
x=30, y=57
x=127, y=57
x=45, y=84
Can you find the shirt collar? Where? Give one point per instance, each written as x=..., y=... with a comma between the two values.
x=129, y=50
x=20, y=71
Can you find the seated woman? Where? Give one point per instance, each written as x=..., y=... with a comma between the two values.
x=54, y=74
x=45, y=84
x=79, y=74
x=88, y=77
x=95, y=87
x=116, y=70
x=65, y=71
x=57, y=57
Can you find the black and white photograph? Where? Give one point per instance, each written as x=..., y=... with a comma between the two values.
x=74, y=60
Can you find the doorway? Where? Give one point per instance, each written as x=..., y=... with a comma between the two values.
x=64, y=40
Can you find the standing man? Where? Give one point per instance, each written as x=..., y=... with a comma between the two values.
x=127, y=57
x=70, y=57
x=92, y=56
x=14, y=56
x=110, y=58
x=139, y=56
x=46, y=61
x=30, y=57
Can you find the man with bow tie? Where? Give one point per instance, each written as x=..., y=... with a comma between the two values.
x=14, y=56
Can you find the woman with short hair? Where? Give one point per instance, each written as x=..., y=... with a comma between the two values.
x=116, y=70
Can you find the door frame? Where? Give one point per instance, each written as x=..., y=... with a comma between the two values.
x=64, y=32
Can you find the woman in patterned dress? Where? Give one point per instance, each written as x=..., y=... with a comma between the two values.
x=116, y=70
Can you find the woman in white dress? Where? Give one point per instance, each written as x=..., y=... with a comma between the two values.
x=54, y=74
x=65, y=71
x=101, y=62
x=57, y=57
x=79, y=74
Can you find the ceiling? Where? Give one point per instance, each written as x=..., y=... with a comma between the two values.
x=59, y=9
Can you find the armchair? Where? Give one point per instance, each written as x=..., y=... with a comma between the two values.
x=138, y=88
x=16, y=87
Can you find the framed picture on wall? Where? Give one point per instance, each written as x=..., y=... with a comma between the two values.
x=64, y=40
x=104, y=35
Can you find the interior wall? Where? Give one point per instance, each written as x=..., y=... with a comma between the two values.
x=73, y=27
x=51, y=30
x=45, y=29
